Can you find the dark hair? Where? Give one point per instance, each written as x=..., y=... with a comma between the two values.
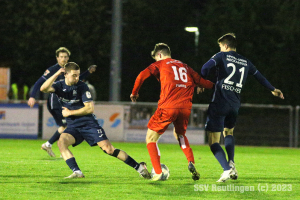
x=71, y=66
x=63, y=50
x=228, y=39
x=164, y=48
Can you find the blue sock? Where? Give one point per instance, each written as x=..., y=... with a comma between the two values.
x=132, y=163
x=229, y=146
x=220, y=155
x=71, y=162
x=54, y=137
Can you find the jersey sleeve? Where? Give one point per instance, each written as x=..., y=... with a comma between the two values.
x=56, y=87
x=49, y=72
x=86, y=95
x=206, y=67
x=199, y=81
x=146, y=73
x=84, y=75
x=37, y=86
x=217, y=58
x=259, y=77
x=262, y=80
x=252, y=68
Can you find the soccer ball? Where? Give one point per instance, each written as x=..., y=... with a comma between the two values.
x=165, y=171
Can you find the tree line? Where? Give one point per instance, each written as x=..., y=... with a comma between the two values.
x=267, y=33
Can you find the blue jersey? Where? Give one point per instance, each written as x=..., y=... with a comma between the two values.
x=73, y=97
x=232, y=70
x=52, y=99
x=51, y=71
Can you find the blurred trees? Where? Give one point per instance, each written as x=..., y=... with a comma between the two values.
x=32, y=30
x=267, y=33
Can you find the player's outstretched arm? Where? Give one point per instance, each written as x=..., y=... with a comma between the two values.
x=92, y=68
x=138, y=83
x=47, y=85
x=86, y=110
x=278, y=93
x=89, y=71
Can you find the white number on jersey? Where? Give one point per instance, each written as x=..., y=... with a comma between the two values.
x=182, y=74
x=227, y=80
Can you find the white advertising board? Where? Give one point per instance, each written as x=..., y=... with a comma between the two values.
x=18, y=121
x=110, y=117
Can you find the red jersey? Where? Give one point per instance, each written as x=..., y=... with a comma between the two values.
x=177, y=81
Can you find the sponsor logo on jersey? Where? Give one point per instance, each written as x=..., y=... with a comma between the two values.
x=69, y=101
x=46, y=72
x=88, y=94
x=231, y=88
x=74, y=92
x=181, y=85
x=239, y=61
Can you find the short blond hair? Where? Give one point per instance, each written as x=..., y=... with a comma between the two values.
x=63, y=50
x=164, y=48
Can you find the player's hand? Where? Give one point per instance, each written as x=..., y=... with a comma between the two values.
x=31, y=102
x=278, y=93
x=62, y=70
x=92, y=68
x=134, y=97
x=66, y=112
x=200, y=90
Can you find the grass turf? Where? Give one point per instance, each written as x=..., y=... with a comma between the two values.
x=27, y=172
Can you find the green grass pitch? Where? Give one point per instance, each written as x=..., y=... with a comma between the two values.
x=27, y=172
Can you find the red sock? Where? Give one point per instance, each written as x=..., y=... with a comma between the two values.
x=187, y=150
x=154, y=156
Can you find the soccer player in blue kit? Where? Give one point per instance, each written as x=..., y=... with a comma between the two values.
x=78, y=108
x=232, y=70
x=53, y=105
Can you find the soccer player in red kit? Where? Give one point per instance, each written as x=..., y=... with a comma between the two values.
x=177, y=81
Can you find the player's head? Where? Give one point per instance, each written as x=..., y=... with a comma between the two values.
x=72, y=72
x=227, y=42
x=161, y=51
x=62, y=55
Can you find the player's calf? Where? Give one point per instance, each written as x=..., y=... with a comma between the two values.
x=139, y=167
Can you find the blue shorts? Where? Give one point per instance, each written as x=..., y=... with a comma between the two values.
x=220, y=117
x=92, y=135
x=55, y=109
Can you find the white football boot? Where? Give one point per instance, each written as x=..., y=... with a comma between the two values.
x=234, y=174
x=143, y=171
x=225, y=175
x=48, y=149
x=76, y=174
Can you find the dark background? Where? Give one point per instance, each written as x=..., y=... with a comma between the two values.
x=267, y=33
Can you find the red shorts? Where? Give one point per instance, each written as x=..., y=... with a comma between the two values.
x=162, y=117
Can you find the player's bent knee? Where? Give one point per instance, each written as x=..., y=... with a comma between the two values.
x=228, y=131
x=62, y=142
x=108, y=149
x=152, y=136
x=113, y=153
